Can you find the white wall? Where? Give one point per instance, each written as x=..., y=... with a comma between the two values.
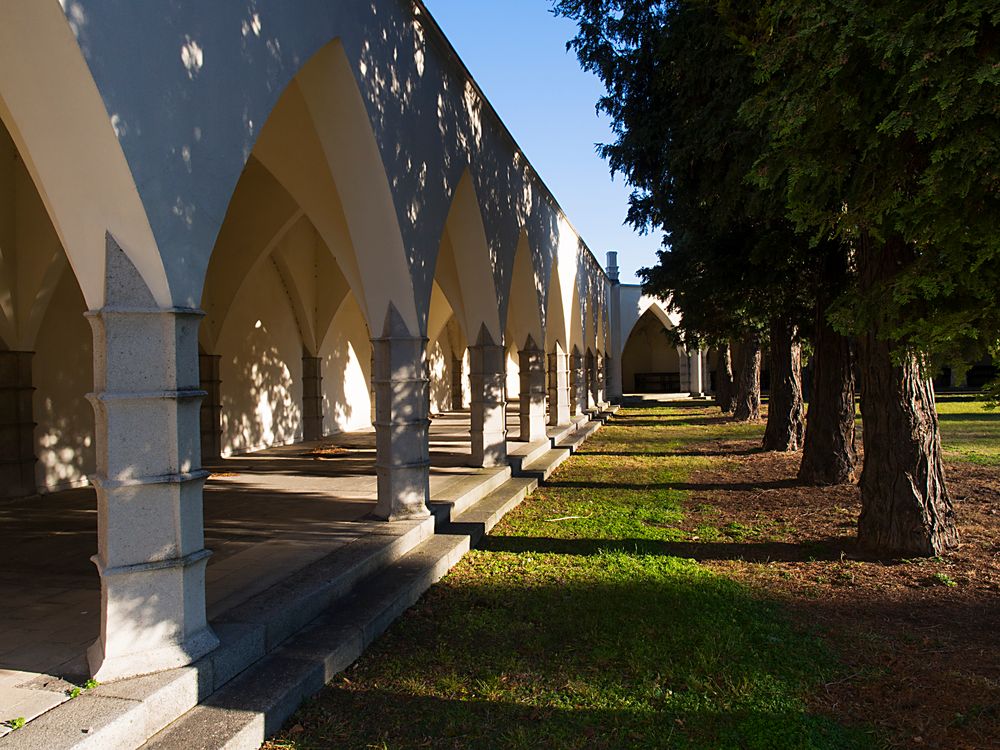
x=346, y=353
x=63, y=373
x=261, y=366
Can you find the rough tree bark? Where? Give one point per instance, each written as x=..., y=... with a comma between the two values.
x=785, y=428
x=829, y=455
x=725, y=392
x=748, y=386
x=905, y=507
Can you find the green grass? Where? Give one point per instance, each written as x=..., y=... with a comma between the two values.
x=570, y=634
x=969, y=430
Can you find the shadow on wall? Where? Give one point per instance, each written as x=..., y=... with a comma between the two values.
x=261, y=393
x=62, y=372
x=346, y=353
x=439, y=372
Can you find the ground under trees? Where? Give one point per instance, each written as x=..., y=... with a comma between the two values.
x=675, y=586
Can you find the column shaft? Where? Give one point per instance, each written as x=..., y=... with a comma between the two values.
x=17, y=426
x=600, y=385
x=211, y=406
x=532, y=403
x=457, y=375
x=559, y=388
x=590, y=382
x=488, y=408
x=151, y=550
x=312, y=397
x=401, y=427
x=579, y=384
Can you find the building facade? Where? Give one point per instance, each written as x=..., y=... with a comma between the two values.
x=233, y=226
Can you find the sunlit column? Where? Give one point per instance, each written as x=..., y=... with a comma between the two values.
x=696, y=374
x=312, y=397
x=531, y=360
x=17, y=425
x=610, y=370
x=151, y=551
x=591, y=382
x=600, y=380
x=488, y=409
x=401, y=421
x=559, y=387
x=578, y=383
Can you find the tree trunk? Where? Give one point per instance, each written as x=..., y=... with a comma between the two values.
x=829, y=456
x=785, y=428
x=748, y=387
x=725, y=392
x=905, y=507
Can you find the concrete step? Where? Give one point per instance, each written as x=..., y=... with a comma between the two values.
x=125, y=713
x=253, y=706
x=526, y=453
x=577, y=439
x=543, y=466
x=561, y=433
x=467, y=491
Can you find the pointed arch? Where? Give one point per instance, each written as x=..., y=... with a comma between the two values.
x=465, y=234
x=525, y=310
x=650, y=361
x=54, y=113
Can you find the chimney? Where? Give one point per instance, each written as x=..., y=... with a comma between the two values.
x=613, y=267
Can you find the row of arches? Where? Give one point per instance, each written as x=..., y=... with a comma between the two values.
x=347, y=240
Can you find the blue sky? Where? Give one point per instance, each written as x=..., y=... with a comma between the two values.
x=516, y=51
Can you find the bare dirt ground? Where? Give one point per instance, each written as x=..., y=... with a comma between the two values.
x=921, y=638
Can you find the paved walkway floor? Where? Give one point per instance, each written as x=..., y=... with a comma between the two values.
x=267, y=515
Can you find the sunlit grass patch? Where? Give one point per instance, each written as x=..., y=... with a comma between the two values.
x=572, y=627
x=969, y=430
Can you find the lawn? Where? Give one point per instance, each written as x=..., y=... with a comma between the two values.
x=672, y=586
x=970, y=430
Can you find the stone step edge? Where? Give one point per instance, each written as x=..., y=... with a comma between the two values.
x=542, y=467
x=255, y=705
x=447, y=508
x=527, y=453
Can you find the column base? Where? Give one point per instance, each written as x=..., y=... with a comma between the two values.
x=489, y=450
x=105, y=668
x=402, y=492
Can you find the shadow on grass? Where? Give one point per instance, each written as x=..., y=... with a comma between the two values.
x=641, y=421
x=380, y=718
x=966, y=416
x=612, y=653
x=684, y=486
x=830, y=548
x=672, y=454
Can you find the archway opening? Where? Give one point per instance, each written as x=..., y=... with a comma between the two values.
x=651, y=363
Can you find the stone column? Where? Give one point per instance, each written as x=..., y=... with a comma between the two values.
x=151, y=549
x=211, y=406
x=531, y=361
x=401, y=422
x=457, y=375
x=578, y=383
x=696, y=374
x=599, y=380
x=312, y=397
x=559, y=387
x=371, y=383
x=488, y=409
x=17, y=426
x=590, y=381
x=610, y=368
